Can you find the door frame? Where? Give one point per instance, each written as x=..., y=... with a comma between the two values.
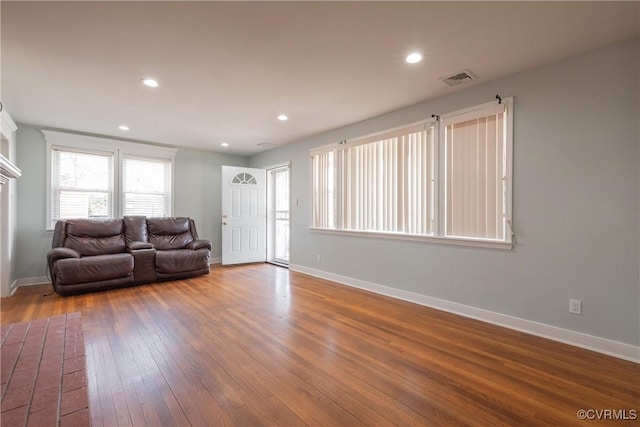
x=270, y=214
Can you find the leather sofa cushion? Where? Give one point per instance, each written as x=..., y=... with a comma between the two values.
x=85, y=228
x=181, y=260
x=167, y=225
x=135, y=246
x=135, y=229
x=90, y=246
x=91, y=238
x=71, y=271
x=169, y=233
x=173, y=242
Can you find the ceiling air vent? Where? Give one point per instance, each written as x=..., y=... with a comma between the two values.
x=458, y=78
x=266, y=144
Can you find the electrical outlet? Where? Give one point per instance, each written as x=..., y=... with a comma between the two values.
x=318, y=259
x=575, y=306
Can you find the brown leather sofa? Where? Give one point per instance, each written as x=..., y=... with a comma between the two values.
x=98, y=254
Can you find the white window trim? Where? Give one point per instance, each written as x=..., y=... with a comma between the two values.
x=456, y=241
x=99, y=145
x=439, y=236
x=388, y=133
x=323, y=149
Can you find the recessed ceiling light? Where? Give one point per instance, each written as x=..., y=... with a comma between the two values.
x=123, y=127
x=283, y=117
x=224, y=144
x=414, y=58
x=150, y=82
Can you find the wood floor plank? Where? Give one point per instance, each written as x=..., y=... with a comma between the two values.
x=257, y=345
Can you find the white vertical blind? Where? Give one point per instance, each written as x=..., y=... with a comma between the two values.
x=323, y=189
x=445, y=179
x=146, y=186
x=476, y=176
x=81, y=185
x=387, y=185
x=382, y=183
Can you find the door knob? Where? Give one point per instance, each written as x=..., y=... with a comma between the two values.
x=224, y=223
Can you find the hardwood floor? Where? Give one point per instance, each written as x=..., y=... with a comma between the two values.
x=258, y=345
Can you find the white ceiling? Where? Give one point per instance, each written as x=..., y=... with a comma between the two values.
x=227, y=69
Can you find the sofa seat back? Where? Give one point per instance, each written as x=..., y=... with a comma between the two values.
x=169, y=233
x=91, y=238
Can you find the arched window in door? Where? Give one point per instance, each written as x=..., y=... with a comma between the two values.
x=244, y=178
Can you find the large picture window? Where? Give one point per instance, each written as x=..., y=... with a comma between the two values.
x=446, y=180
x=93, y=177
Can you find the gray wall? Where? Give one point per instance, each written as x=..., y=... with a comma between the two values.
x=196, y=195
x=576, y=203
x=197, y=190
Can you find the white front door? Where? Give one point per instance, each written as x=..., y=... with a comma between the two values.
x=244, y=215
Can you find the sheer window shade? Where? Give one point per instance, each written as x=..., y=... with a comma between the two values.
x=146, y=186
x=476, y=176
x=82, y=185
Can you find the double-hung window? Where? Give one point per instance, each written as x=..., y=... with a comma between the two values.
x=146, y=186
x=446, y=180
x=93, y=177
x=81, y=184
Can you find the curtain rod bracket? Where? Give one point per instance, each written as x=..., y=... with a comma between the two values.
x=435, y=116
x=499, y=99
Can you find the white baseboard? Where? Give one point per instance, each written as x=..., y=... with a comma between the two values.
x=216, y=260
x=578, y=339
x=29, y=281
x=13, y=287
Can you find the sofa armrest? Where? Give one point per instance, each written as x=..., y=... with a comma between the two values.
x=61, y=253
x=199, y=244
x=144, y=262
x=134, y=246
x=57, y=254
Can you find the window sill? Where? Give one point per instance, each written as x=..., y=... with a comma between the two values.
x=457, y=241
